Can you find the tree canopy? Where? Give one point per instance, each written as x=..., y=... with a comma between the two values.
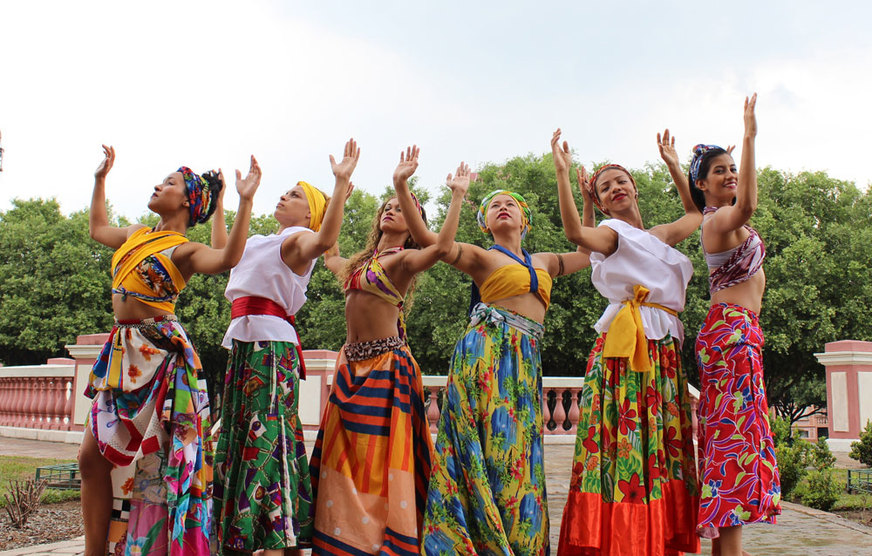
x=54, y=280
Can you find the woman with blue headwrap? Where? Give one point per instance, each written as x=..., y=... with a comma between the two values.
x=737, y=464
x=487, y=486
x=150, y=416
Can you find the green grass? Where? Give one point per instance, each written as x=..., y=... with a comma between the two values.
x=22, y=468
x=847, y=501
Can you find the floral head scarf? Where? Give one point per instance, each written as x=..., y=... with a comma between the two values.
x=199, y=196
x=526, y=213
x=698, y=152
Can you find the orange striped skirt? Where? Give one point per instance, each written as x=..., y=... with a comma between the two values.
x=371, y=462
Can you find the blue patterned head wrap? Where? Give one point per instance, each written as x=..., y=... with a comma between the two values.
x=526, y=213
x=199, y=196
x=698, y=152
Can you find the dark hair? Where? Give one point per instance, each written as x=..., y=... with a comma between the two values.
x=214, y=183
x=704, y=166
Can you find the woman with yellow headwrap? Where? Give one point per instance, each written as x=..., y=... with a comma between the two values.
x=263, y=492
x=487, y=488
x=633, y=488
x=150, y=417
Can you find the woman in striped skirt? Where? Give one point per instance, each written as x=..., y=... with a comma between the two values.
x=372, y=458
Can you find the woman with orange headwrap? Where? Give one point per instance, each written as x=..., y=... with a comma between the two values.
x=633, y=488
x=150, y=403
x=263, y=493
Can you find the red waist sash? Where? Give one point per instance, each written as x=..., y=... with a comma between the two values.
x=252, y=305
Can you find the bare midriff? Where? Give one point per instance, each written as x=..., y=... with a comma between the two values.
x=748, y=294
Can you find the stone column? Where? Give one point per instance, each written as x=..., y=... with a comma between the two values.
x=849, y=390
x=85, y=351
x=315, y=390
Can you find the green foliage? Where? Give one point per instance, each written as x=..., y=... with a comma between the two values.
x=781, y=433
x=862, y=450
x=821, y=456
x=54, y=281
x=793, y=460
x=821, y=491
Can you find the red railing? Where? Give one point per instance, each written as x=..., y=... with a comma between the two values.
x=38, y=396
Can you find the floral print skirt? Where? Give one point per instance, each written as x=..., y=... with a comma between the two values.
x=633, y=488
x=372, y=458
x=487, y=490
x=262, y=494
x=150, y=418
x=738, y=470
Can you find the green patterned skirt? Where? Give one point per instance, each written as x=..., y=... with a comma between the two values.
x=262, y=490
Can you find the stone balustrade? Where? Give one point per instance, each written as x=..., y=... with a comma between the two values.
x=50, y=396
x=38, y=396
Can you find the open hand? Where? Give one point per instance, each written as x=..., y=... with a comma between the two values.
x=750, y=116
x=666, y=145
x=408, y=164
x=583, y=184
x=107, y=163
x=344, y=168
x=562, y=155
x=246, y=187
x=459, y=182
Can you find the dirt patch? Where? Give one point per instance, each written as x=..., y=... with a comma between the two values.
x=51, y=523
x=863, y=517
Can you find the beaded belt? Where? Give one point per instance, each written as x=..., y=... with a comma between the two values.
x=361, y=351
x=145, y=323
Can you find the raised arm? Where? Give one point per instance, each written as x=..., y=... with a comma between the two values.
x=588, y=218
x=677, y=231
x=603, y=240
x=333, y=261
x=301, y=248
x=206, y=260
x=445, y=246
x=422, y=235
x=98, y=216
x=734, y=217
x=219, y=227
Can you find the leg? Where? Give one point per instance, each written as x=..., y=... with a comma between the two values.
x=96, y=495
x=730, y=541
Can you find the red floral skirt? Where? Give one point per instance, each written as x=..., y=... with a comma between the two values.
x=738, y=470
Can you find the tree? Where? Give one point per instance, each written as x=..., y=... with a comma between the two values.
x=54, y=281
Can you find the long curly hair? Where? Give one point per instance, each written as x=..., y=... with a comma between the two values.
x=375, y=235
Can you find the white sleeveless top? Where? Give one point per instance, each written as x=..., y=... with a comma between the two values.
x=642, y=259
x=261, y=272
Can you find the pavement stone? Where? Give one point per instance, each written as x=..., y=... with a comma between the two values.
x=800, y=530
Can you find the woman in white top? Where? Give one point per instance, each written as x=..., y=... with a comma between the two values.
x=263, y=493
x=633, y=488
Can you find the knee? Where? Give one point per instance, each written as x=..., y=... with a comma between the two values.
x=92, y=464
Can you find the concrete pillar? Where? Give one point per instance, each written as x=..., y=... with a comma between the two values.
x=85, y=351
x=849, y=390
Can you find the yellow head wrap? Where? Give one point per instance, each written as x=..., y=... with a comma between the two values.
x=317, y=205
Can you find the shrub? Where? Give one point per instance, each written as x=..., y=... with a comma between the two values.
x=792, y=463
x=821, y=456
x=821, y=491
x=781, y=433
x=862, y=450
x=23, y=500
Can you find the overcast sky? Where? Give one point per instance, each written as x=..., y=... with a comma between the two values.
x=205, y=84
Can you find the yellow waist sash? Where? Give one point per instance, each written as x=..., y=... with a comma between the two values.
x=626, y=335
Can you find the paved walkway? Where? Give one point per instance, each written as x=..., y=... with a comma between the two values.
x=801, y=530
